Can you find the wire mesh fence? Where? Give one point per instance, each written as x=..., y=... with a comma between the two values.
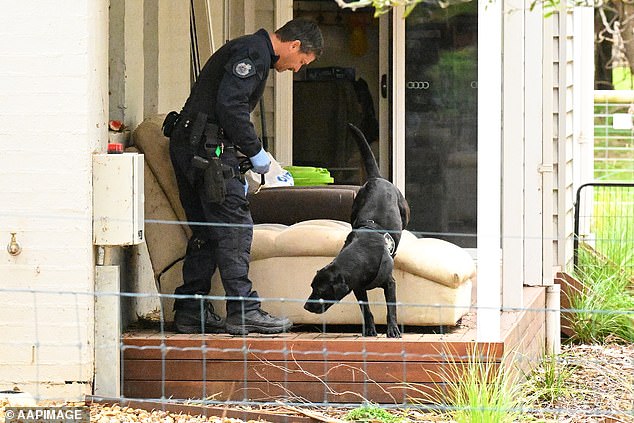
x=604, y=222
x=323, y=368
x=613, y=136
x=335, y=370
x=324, y=365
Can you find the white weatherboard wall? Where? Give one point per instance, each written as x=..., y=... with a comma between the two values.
x=563, y=136
x=53, y=116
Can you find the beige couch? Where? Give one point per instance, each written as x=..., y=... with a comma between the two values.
x=299, y=230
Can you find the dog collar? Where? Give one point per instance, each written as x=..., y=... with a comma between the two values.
x=390, y=244
x=370, y=224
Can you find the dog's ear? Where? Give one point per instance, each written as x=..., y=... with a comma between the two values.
x=405, y=212
x=340, y=287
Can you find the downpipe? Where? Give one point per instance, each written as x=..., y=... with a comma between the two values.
x=553, y=319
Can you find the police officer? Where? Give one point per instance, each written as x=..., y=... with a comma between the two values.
x=207, y=140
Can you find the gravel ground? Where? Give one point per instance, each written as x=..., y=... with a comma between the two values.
x=600, y=389
x=601, y=385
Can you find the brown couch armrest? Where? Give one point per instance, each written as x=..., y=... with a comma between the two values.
x=289, y=205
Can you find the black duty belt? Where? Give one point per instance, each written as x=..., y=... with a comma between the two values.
x=198, y=128
x=232, y=172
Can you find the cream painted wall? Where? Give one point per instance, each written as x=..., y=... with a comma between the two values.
x=173, y=56
x=53, y=116
x=149, y=58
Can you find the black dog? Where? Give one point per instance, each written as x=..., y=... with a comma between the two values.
x=379, y=215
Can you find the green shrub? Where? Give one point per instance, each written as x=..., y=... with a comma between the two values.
x=603, y=311
x=372, y=413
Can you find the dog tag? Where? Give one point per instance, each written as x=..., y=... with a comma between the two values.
x=389, y=243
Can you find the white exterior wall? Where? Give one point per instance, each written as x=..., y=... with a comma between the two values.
x=547, y=118
x=563, y=140
x=53, y=116
x=527, y=166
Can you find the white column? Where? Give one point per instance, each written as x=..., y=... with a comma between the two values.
x=173, y=54
x=489, y=169
x=584, y=98
x=398, y=99
x=107, y=332
x=535, y=167
x=283, y=92
x=514, y=141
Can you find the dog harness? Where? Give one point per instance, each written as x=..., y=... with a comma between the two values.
x=390, y=244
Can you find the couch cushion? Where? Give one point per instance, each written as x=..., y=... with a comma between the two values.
x=436, y=260
x=312, y=238
x=290, y=205
x=264, y=237
x=283, y=284
x=433, y=259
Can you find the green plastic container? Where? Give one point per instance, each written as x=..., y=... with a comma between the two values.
x=306, y=175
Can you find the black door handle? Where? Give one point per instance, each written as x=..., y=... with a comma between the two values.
x=384, y=86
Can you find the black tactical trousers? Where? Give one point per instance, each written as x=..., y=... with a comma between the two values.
x=222, y=235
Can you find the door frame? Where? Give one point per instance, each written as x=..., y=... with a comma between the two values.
x=489, y=175
x=398, y=98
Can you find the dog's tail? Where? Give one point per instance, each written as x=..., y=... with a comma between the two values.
x=371, y=168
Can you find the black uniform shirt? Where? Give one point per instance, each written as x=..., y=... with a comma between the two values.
x=230, y=86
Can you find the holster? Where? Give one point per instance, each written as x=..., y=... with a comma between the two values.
x=207, y=172
x=214, y=186
x=212, y=189
x=170, y=123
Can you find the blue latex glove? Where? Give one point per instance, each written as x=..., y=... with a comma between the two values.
x=261, y=162
x=246, y=187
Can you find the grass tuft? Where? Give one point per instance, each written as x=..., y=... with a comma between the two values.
x=477, y=390
x=548, y=382
x=373, y=413
x=604, y=309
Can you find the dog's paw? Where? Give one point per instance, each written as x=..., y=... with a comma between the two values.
x=369, y=331
x=393, y=332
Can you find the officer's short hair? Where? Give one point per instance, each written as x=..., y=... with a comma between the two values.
x=304, y=30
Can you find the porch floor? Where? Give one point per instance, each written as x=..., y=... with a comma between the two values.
x=332, y=367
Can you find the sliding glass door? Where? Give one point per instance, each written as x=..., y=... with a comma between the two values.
x=441, y=122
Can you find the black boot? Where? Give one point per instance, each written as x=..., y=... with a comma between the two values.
x=188, y=320
x=257, y=321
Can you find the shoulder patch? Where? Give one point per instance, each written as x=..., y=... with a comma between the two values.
x=244, y=68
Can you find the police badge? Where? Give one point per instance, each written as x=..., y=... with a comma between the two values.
x=244, y=68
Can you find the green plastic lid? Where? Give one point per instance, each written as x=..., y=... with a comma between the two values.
x=306, y=175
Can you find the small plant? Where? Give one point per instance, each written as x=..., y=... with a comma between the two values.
x=486, y=394
x=478, y=390
x=373, y=413
x=549, y=381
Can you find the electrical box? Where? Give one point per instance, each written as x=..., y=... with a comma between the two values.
x=118, y=199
